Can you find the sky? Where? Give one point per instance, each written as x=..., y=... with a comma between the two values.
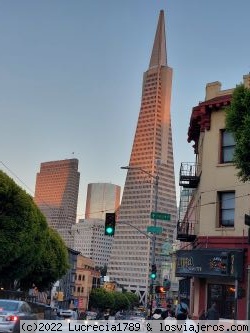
x=71, y=77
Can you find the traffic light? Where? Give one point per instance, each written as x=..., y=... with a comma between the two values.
x=225, y=262
x=160, y=290
x=109, y=224
x=153, y=272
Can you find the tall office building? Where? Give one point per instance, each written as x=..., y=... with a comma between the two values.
x=102, y=198
x=56, y=194
x=150, y=181
x=90, y=240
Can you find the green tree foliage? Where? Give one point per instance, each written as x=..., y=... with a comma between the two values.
x=27, y=245
x=101, y=299
x=115, y=301
x=238, y=123
x=121, y=301
x=102, y=269
x=133, y=299
x=51, y=266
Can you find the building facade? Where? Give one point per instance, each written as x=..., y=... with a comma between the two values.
x=102, y=198
x=66, y=287
x=56, y=194
x=214, y=263
x=73, y=289
x=89, y=239
x=150, y=181
x=86, y=279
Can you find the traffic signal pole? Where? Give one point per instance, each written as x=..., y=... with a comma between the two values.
x=151, y=289
x=153, y=238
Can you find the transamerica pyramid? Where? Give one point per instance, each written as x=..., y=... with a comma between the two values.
x=150, y=181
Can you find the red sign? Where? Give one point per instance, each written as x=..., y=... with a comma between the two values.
x=80, y=304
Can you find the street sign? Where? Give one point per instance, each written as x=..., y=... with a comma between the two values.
x=154, y=230
x=160, y=216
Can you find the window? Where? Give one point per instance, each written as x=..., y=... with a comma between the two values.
x=227, y=147
x=223, y=296
x=226, y=207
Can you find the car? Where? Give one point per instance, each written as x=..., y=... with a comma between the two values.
x=67, y=315
x=11, y=312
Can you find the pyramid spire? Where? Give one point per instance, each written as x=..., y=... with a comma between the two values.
x=159, y=53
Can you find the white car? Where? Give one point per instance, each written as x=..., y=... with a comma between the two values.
x=68, y=314
x=11, y=312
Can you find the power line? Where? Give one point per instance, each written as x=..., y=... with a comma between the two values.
x=45, y=203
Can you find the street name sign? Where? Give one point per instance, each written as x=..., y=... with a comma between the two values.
x=154, y=230
x=160, y=216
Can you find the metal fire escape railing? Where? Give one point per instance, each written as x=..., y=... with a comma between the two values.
x=186, y=231
x=189, y=176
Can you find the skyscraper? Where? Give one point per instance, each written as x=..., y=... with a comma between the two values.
x=150, y=181
x=101, y=199
x=56, y=194
x=90, y=240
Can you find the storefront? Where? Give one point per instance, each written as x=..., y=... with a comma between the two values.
x=216, y=275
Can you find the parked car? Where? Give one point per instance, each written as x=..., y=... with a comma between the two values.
x=11, y=312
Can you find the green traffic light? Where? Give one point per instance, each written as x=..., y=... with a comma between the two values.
x=109, y=230
x=153, y=276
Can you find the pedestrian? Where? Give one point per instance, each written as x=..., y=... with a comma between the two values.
x=157, y=314
x=170, y=319
x=190, y=325
x=181, y=311
x=213, y=313
x=106, y=315
x=169, y=310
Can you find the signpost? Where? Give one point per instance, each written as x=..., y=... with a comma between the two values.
x=154, y=230
x=160, y=216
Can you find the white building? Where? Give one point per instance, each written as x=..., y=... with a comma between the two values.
x=102, y=198
x=89, y=239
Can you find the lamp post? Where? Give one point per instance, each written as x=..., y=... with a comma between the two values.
x=156, y=184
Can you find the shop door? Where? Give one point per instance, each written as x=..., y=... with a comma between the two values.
x=223, y=296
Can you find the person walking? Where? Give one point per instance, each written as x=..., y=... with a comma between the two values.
x=181, y=310
x=213, y=313
x=157, y=314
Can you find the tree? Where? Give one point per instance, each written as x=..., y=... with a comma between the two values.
x=121, y=301
x=238, y=123
x=53, y=263
x=133, y=299
x=27, y=243
x=102, y=269
x=101, y=299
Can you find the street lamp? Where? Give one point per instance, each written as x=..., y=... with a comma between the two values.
x=153, y=264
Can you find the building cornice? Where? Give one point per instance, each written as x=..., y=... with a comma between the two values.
x=201, y=117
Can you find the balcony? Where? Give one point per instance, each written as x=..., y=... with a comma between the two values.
x=185, y=232
x=189, y=176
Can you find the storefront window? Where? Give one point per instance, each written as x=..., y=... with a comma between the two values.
x=223, y=296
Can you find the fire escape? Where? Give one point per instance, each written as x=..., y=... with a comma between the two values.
x=189, y=178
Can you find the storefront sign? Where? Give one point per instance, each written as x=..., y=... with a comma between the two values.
x=210, y=262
